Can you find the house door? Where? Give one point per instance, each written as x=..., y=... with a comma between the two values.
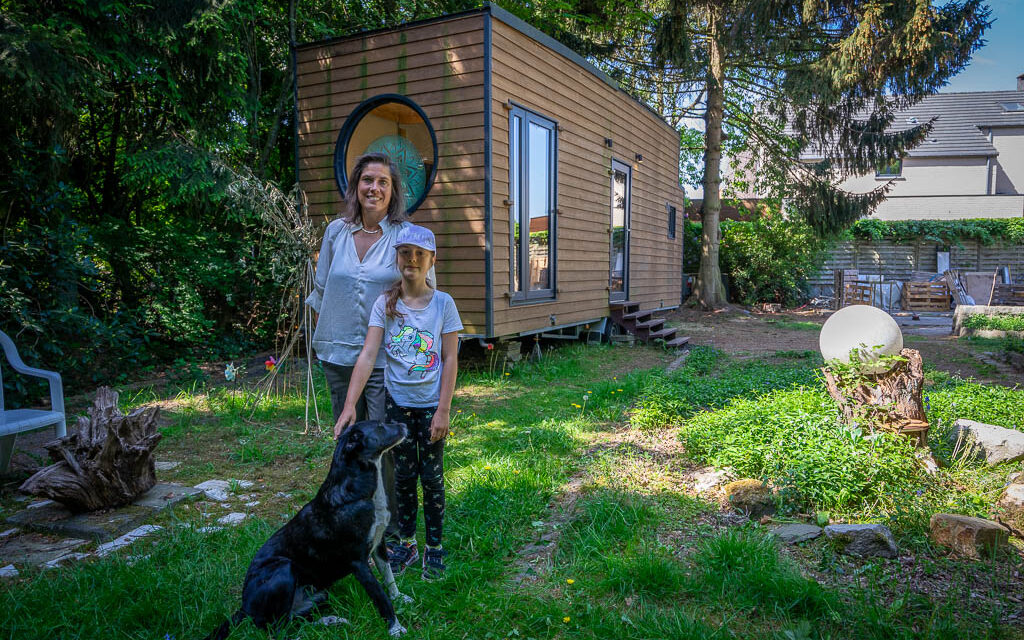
x=618, y=266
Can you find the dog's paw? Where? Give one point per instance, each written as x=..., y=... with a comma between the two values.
x=396, y=629
x=330, y=621
x=404, y=599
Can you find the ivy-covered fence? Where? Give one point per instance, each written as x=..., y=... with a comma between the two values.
x=895, y=249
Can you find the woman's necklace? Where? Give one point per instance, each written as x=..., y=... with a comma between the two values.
x=365, y=230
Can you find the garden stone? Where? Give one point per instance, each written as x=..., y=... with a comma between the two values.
x=709, y=478
x=988, y=442
x=967, y=536
x=36, y=549
x=165, y=465
x=164, y=494
x=330, y=621
x=9, y=532
x=231, y=518
x=40, y=504
x=71, y=557
x=101, y=526
x=795, y=533
x=8, y=572
x=215, y=489
x=125, y=540
x=751, y=497
x=863, y=540
x=1011, y=503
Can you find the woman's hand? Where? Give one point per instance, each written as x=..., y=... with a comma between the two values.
x=439, y=426
x=348, y=416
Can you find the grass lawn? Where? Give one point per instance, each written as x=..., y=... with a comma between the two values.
x=570, y=514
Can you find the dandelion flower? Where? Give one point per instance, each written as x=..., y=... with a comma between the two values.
x=487, y=468
x=577, y=405
x=507, y=373
x=516, y=471
x=566, y=619
x=619, y=390
x=570, y=581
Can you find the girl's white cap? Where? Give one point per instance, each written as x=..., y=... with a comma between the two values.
x=417, y=236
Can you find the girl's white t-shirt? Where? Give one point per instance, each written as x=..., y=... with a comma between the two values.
x=412, y=372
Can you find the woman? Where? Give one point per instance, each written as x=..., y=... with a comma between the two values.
x=356, y=265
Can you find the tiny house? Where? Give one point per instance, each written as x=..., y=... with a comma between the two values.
x=552, y=193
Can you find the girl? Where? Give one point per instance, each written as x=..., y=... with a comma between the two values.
x=418, y=327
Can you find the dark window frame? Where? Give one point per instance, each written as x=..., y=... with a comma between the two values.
x=673, y=216
x=353, y=120
x=518, y=209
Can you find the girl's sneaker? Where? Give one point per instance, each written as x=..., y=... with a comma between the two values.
x=401, y=556
x=433, y=564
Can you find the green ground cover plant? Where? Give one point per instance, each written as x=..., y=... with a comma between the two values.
x=997, y=322
x=552, y=453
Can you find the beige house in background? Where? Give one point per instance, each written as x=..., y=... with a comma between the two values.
x=970, y=166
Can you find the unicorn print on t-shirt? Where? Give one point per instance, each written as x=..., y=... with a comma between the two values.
x=413, y=347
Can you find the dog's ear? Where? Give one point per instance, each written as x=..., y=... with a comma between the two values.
x=353, y=441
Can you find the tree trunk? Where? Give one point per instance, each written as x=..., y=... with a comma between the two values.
x=709, y=290
x=890, y=401
x=106, y=463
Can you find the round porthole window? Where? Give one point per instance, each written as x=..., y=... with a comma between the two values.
x=394, y=125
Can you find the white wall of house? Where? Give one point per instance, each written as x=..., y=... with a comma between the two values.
x=930, y=176
x=1009, y=165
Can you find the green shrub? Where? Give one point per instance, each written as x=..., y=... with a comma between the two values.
x=996, y=322
x=794, y=438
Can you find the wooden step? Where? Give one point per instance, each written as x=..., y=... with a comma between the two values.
x=639, y=316
x=662, y=334
x=678, y=343
x=650, y=324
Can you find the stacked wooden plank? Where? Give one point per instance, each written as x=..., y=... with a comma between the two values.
x=926, y=296
x=1007, y=295
x=956, y=284
x=856, y=293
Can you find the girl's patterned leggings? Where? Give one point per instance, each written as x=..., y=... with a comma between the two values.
x=417, y=457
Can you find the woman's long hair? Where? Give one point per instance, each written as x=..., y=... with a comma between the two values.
x=352, y=212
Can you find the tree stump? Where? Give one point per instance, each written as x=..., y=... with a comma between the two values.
x=107, y=462
x=891, y=400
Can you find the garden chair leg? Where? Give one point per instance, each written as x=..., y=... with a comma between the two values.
x=6, y=450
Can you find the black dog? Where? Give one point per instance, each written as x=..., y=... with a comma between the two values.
x=332, y=536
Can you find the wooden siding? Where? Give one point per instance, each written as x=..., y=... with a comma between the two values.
x=587, y=110
x=440, y=67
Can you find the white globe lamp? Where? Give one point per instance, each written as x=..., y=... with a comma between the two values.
x=868, y=329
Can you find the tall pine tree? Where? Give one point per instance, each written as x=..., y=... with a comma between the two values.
x=799, y=79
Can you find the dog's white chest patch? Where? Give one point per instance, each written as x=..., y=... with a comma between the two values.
x=381, y=515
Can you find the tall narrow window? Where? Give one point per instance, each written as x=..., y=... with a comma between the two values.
x=671, y=221
x=532, y=180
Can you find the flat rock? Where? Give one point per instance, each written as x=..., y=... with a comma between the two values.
x=36, y=549
x=795, y=533
x=9, y=571
x=967, y=536
x=165, y=465
x=215, y=489
x=751, y=497
x=165, y=494
x=231, y=518
x=988, y=442
x=709, y=478
x=9, y=532
x=100, y=526
x=863, y=540
x=64, y=559
x=125, y=540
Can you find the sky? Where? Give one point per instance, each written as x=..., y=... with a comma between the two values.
x=996, y=65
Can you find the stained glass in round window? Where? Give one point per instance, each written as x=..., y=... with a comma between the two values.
x=394, y=125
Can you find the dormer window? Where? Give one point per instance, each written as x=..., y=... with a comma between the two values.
x=1012, y=106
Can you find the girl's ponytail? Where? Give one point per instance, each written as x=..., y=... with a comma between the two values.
x=391, y=301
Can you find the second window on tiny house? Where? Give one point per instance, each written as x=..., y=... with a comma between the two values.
x=533, y=171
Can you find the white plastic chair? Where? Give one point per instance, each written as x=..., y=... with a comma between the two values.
x=15, y=421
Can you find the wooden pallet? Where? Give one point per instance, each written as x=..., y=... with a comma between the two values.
x=926, y=296
x=1007, y=295
x=856, y=293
